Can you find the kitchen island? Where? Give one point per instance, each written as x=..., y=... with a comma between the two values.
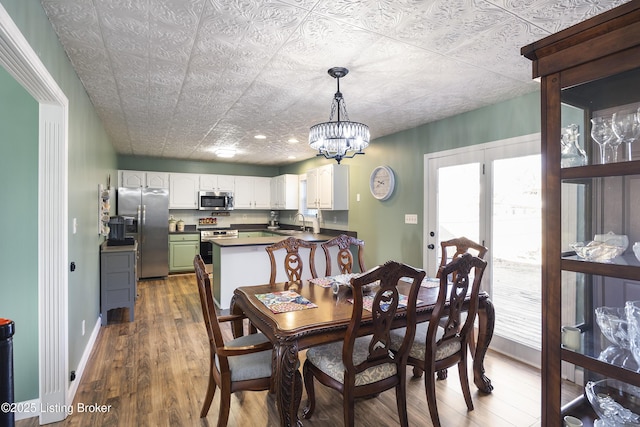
x=244, y=261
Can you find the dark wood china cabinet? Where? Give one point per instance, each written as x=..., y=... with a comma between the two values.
x=590, y=81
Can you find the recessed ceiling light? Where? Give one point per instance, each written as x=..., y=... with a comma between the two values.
x=260, y=137
x=292, y=141
x=225, y=152
x=291, y=157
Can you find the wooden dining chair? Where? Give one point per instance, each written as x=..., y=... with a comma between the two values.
x=244, y=363
x=461, y=246
x=293, y=262
x=442, y=342
x=365, y=365
x=344, y=257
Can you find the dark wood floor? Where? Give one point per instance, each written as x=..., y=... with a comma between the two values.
x=153, y=372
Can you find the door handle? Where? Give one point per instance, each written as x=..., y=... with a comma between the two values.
x=431, y=246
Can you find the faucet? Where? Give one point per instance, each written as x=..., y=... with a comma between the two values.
x=295, y=217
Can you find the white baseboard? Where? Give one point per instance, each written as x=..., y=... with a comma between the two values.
x=73, y=386
x=32, y=408
x=27, y=409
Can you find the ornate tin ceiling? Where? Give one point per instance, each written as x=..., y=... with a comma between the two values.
x=177, y=78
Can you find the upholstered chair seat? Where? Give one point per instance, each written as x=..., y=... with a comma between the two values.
x=328, y=358
x=249, y=366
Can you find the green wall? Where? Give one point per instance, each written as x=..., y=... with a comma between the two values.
x=91, y=159
x=19, y=228
x=381, y=224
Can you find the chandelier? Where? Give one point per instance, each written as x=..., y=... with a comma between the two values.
x=339, y=139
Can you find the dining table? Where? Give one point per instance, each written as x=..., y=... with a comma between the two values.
x=324, y=319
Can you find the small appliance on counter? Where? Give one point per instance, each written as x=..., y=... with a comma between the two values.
x=117, y=235
x=273, y=220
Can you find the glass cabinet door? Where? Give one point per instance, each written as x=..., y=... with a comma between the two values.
x=599, y=145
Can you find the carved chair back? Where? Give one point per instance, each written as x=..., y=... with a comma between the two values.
x=293, y=262
x=456, y=275
x=461, y=246
x=344, y=257
x=384, y=307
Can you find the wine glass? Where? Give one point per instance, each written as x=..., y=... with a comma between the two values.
x=602, y=134
x=626, y=127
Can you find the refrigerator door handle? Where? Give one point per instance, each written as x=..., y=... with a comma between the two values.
x=144, y=214
x=139, y=225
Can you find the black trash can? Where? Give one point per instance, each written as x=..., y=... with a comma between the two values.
x=7, y=329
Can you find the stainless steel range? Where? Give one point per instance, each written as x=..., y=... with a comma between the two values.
x=208, y=235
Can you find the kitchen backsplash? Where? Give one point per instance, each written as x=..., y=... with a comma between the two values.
x=335, y=220
x=192, y=217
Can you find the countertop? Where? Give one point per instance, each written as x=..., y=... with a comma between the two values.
x=122, y=248
x=256, y=241
x=188, y=229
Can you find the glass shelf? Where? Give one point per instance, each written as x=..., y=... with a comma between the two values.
x=622, y=267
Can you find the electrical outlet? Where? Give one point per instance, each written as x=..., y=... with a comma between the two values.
x=410, y=218
x=75, y=225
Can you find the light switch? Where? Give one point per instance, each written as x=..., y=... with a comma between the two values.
x=75, y=225
x=410, y=218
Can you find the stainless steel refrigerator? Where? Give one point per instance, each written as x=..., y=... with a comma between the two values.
x=146, y=212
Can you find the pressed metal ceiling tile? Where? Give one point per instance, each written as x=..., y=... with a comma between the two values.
x=176, y=78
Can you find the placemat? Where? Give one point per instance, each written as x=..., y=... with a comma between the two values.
x=285, y=301
x=367, y=302
x=430, y=282
x=325, y=282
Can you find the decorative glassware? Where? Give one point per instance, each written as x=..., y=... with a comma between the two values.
x=597, y=251
x=632, y=309
x=615, y=402
x=602, y=134
x=613, y=324
x=572, y=154
x=626, y=127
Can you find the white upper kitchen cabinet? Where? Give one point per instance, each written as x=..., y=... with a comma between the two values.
x=217, y=183
x=183, y=190
x=328, y=187
x=141, y=179
x=284, y=192
x=252, y=192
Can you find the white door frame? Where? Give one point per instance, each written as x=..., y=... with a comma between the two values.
x=22, y=62
x=430, y=211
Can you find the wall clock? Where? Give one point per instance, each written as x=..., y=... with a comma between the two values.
x=382, y=182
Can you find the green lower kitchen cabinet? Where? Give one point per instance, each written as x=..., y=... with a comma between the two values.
x=182, y=249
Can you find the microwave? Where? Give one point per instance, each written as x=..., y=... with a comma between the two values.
x=215, y=200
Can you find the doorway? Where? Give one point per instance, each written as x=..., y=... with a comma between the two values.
x=491, y=194
x=22, y=62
